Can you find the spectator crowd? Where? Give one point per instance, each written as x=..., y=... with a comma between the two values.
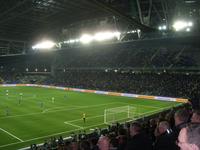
x=159, y=84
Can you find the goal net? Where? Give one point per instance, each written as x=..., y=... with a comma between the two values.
x=116, y=114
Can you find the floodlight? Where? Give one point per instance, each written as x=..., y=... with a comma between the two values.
x=117, y=34
x=100, y=36
x=188, y=29
x=164, y=27
x=65, y=42
x=44, y=45
x=108, y=35
x=72, y=41
x=190, y=24
x=179, y=25
x=159, y=28
x=86, y=38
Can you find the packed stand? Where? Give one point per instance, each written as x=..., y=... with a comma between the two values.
x=159, y=84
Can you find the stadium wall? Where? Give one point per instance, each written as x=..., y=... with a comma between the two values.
x=102, y=92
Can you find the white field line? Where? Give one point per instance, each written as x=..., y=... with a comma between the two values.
x=38, y=113
x=149, y=112
x=86, y=118
x=47, y=136
x=46, y=110
x=11, y=135
x=74, y=125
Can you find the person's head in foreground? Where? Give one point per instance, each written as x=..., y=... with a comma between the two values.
x=189, y=137
x=196, y=117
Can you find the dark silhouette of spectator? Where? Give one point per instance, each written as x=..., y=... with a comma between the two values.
x=122, y=139
x=196, y=116
x=94, y=144
x=165, y=140
x=181, y=118
x=138, y=140
x=85, y=145
x=151, y=129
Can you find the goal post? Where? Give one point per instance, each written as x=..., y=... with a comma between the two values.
x=123, y=113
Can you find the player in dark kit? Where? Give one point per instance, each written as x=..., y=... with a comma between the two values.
x=84, y=117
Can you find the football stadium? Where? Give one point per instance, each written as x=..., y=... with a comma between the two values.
x=99, y=75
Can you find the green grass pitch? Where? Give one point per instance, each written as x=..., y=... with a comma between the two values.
x=33, y=116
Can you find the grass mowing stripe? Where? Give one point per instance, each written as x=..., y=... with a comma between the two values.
x=11, y=134
x=39, y=113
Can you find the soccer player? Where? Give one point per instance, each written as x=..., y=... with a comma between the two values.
x=42, y=104
x=20, y=94
x=7, y=95
x=84, y=117
x=7, y=111
x=53, y=99
x=65, y=96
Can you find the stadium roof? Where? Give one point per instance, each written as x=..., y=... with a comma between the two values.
x=22, y=21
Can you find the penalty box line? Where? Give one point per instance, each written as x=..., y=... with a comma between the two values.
x=11, y=135
x=74, y=125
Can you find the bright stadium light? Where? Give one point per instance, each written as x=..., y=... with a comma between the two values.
x=44, y=45
x=164, y=27
x=101, y=36
x=70, y=41
x=117, y=34
x=188, y=29
x=181, y=25
x=190, y=24
x=86, y=38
